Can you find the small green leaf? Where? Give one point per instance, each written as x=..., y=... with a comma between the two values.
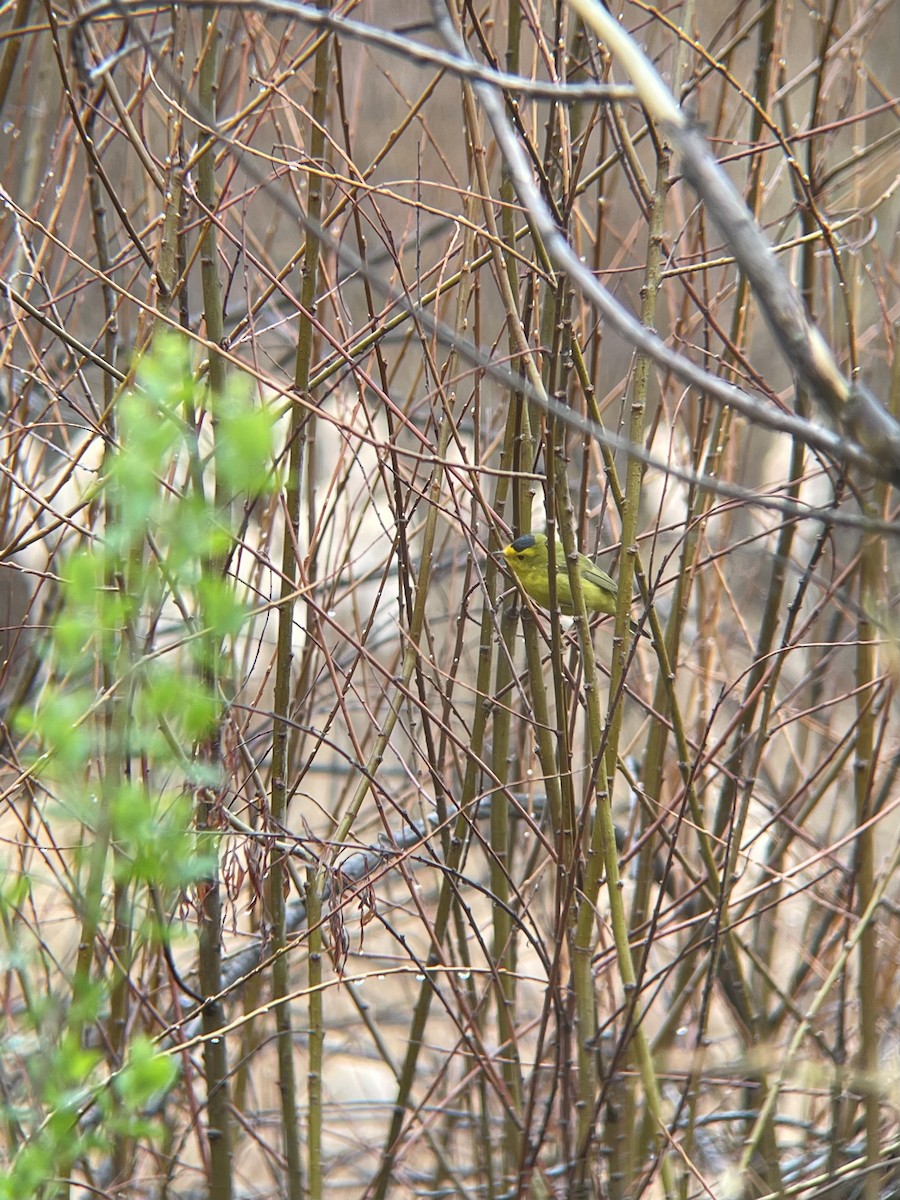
x=147, y=1075
x=244, y=447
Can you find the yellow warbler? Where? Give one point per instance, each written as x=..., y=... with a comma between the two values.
x=528, y=559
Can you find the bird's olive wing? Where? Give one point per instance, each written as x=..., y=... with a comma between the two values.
x=592, y=574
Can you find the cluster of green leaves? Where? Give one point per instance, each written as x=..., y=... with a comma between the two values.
x=79, y=1117
x=136, y=677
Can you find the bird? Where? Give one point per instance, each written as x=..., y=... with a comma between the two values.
x=528, y=558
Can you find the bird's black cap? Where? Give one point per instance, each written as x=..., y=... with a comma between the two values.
x=525, y=542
